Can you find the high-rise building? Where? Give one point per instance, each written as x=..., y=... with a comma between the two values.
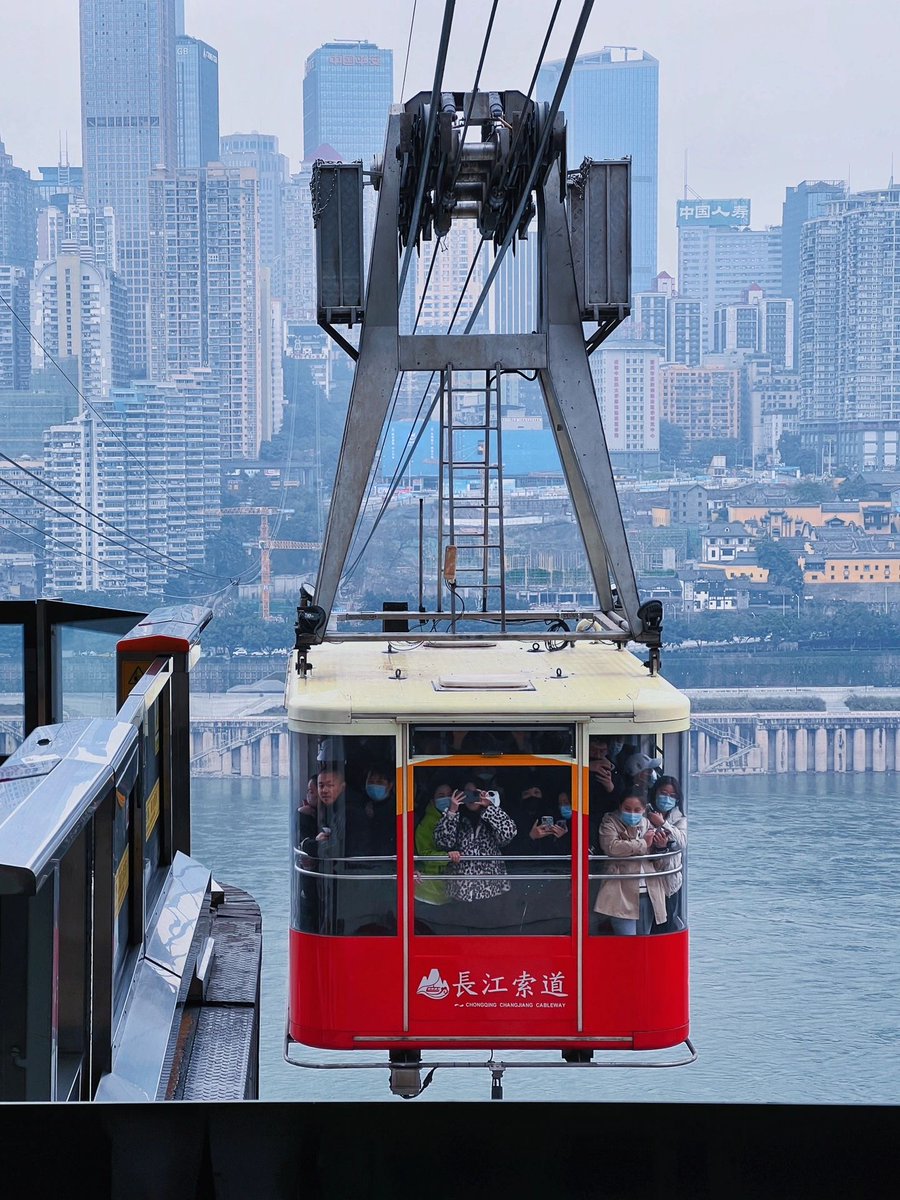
x=128, y=128
x=298, y=247
x=685, y=331
x=17, y=214
x=736, y=327
x=611, y=104
x=197, y=102
x=704, y=402
x=260, y=152
x=720, y=257
x=348, y=88
x=172, y=429
x=626, y=377
x=61, y=180
x=849, y=346
x=802, y=203
x=15, y=338
x=78, y=312
x=206, y=306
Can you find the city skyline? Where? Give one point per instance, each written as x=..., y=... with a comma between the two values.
x=788, y=117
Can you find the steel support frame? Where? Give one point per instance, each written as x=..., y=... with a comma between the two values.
x=558, y=353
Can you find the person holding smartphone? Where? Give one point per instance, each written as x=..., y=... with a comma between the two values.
x=477, y=827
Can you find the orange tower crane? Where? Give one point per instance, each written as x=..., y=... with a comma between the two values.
x=266, y=546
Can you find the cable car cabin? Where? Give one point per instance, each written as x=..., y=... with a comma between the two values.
x=461, y=878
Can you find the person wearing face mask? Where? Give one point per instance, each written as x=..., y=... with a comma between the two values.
x=380, y=810
x=431, y=888
x=666, y=812
x=631, y=894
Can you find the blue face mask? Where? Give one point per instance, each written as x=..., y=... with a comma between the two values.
x=485, y=776
x=565, y=811
x=377, y=791
x=665, y=803
x=442, y=803
x=631, y=818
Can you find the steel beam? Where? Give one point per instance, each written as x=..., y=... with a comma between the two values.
x=374, y=379
x=568, y=389
x=473, y=352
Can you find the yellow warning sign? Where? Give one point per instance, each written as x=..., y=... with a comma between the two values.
x=130, y=673
x=152, y=809
x=122, y=881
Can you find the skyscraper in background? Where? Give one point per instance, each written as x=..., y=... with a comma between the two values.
x=17, y=214
x=850, y=332
x=807, y=200
x=17, y=252
x=206, y=304
x=720, y=257
x=197, y=100
x=611, y=106
x=260, y=152
x=128, y=128
x=348, y=88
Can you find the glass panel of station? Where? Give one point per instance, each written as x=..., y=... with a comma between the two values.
x=501, y=864
x=637, y=860
x=12, y=690
x=344, y=881
x=86, y=664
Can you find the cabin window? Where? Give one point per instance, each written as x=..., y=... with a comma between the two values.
x=498, y=862
x=426, y=741
x=638, y=835
x=345, y=835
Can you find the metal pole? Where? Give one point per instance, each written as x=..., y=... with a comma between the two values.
x=421, y=552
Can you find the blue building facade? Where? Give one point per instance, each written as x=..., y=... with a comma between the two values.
x=197, y=91
x=348, y=89
x=611, y=106
x=128, y=128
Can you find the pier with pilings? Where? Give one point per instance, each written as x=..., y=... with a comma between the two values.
x=794, y=742
x=721, y=743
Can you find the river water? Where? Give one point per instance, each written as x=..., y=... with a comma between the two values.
x=795, y=949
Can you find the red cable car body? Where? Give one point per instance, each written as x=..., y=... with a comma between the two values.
x=386, y=972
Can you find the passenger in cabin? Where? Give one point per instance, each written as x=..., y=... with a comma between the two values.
x=380, y=810
x=640, y=771
x=312, y=794
x=548, y=825
x=431, y=888
x=331, y=832
x=477, y=827
x=631, y=894
x=602, y=776
x=666, y=812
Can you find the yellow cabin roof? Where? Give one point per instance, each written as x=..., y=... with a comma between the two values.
x=489, y=682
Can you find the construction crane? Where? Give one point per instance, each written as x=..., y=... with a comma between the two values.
x=266, y=546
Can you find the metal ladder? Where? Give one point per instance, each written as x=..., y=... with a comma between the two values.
x=470, y=497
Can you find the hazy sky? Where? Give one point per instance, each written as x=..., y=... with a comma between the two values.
x=759, y=94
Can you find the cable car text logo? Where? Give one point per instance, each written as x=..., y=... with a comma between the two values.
x=433, y=986
x=523, y=990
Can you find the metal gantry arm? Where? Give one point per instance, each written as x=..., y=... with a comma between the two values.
x=568, y=389
x=557, y=351
x=374, y=381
